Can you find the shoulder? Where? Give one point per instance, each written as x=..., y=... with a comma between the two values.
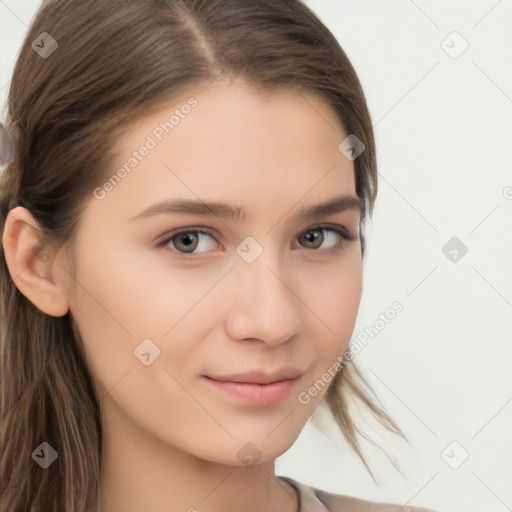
x=340, y=503
x=316, y=500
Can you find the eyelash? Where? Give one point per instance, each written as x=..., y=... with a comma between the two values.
x=162, y=242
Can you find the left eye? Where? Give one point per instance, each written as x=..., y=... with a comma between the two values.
x=185, y=241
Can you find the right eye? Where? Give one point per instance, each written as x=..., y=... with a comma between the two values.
x=185, y=241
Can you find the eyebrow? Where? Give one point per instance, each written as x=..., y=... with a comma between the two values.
x=233, y=212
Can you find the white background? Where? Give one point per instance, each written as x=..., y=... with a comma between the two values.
x=443, y=127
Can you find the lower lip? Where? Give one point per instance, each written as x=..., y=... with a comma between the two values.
x=259, y=394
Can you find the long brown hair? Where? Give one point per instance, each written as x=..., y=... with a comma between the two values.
x=116, y=61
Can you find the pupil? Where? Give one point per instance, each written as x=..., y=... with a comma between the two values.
x=311, y=236
x=187, y=240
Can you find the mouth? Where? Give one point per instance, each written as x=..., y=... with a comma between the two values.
x=260, y=377
x=267, y=393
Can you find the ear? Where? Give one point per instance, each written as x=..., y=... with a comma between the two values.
x=32, y=263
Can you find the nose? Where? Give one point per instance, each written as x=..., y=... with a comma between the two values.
x=263, y=304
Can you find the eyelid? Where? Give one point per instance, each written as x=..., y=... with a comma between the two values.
x=163, y=240
x=166, y=237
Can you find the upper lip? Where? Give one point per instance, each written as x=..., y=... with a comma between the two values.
x=259, y=377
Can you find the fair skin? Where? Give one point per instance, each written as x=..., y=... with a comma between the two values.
x=171, y=438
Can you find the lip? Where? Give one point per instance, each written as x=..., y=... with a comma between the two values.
x=253, y=393
x=259, y=377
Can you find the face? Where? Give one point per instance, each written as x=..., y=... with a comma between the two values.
x=266, y=290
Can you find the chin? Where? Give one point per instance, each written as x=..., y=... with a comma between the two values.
x=248, y=450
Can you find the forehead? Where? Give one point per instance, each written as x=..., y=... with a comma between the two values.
x=231, y=119
x=234, y=143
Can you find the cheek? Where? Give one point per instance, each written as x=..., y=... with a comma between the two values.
x=121, y=301
x=333, y=295
x=335, y=302
x=341, y=311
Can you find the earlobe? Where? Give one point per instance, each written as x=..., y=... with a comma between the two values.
x=31, y=260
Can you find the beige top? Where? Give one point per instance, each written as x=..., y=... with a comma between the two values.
x=316, y=500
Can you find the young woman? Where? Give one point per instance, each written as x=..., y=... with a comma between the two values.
x=181, y=255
